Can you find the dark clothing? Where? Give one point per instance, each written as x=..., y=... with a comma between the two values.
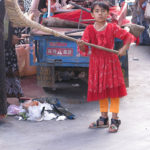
x=3, y=106
x=13, y=85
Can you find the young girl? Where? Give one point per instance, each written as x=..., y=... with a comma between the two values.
x=105, y=74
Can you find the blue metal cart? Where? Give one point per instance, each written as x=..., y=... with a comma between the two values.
x=54, y=53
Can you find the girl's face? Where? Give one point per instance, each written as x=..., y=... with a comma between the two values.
x=100, y=14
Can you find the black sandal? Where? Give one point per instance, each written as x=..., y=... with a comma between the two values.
x=96, y=124
x=115, y=123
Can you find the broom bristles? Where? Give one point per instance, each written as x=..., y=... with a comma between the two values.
x=135, y=29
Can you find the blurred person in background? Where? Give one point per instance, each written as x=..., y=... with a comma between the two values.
x=138, y=18
x=13, y=85
x=3, y=104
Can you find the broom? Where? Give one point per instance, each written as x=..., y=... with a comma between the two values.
x=135, y=29
x=19, y=19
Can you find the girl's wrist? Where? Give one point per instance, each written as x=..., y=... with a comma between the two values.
x=122, y=52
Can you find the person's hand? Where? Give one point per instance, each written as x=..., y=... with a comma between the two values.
x=15, y=40
x=2, y=117
x=122, y=52
x=31, y=16
x=81, y=45
x=24, y=36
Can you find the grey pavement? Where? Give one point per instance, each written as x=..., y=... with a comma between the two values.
x=134, y=132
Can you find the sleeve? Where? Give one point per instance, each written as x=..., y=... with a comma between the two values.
x=86, y=38
x=123, y=35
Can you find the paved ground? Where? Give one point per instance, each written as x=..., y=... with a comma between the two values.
x=134, y=132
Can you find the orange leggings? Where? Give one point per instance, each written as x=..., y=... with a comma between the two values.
x=114, y=105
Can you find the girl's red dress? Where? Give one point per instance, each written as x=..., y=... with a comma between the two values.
x=105, y=74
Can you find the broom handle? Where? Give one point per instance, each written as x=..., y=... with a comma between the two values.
x=89, y=44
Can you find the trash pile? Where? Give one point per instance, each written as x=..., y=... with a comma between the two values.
x=39, y=109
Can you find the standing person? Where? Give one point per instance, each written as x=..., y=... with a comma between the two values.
x=105, y=74
x=13, y=85
x=138, y=18
x=3, y=106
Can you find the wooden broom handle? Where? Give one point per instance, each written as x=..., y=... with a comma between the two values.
x=89, y=44
x=57, y=34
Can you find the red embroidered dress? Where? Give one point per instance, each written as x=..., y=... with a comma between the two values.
x=105, y=75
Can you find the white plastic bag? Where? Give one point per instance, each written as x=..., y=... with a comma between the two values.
x=14, y=110
x=34, y=113
x=49, y=116
x=61, y=118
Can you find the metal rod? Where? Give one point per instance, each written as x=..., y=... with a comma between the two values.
x=78, y=6
x=88, y=44
x=80, y=19
x=49, y=8
x=74, y=31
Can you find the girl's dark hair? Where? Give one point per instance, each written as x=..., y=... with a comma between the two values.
x=100, y=4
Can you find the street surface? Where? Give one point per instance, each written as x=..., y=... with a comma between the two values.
x=134, y=132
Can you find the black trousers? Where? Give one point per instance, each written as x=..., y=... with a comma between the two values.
x=3, y=98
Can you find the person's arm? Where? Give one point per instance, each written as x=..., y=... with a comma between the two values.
x=122, y=50
x=83, y=49
x=125, y=36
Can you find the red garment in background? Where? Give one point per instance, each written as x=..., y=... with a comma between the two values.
x=114, y=11
x=105, y=75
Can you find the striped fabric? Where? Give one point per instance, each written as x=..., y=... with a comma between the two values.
x=27, y=4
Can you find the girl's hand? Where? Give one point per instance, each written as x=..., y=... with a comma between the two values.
x=81, y=45
x=122, y=52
